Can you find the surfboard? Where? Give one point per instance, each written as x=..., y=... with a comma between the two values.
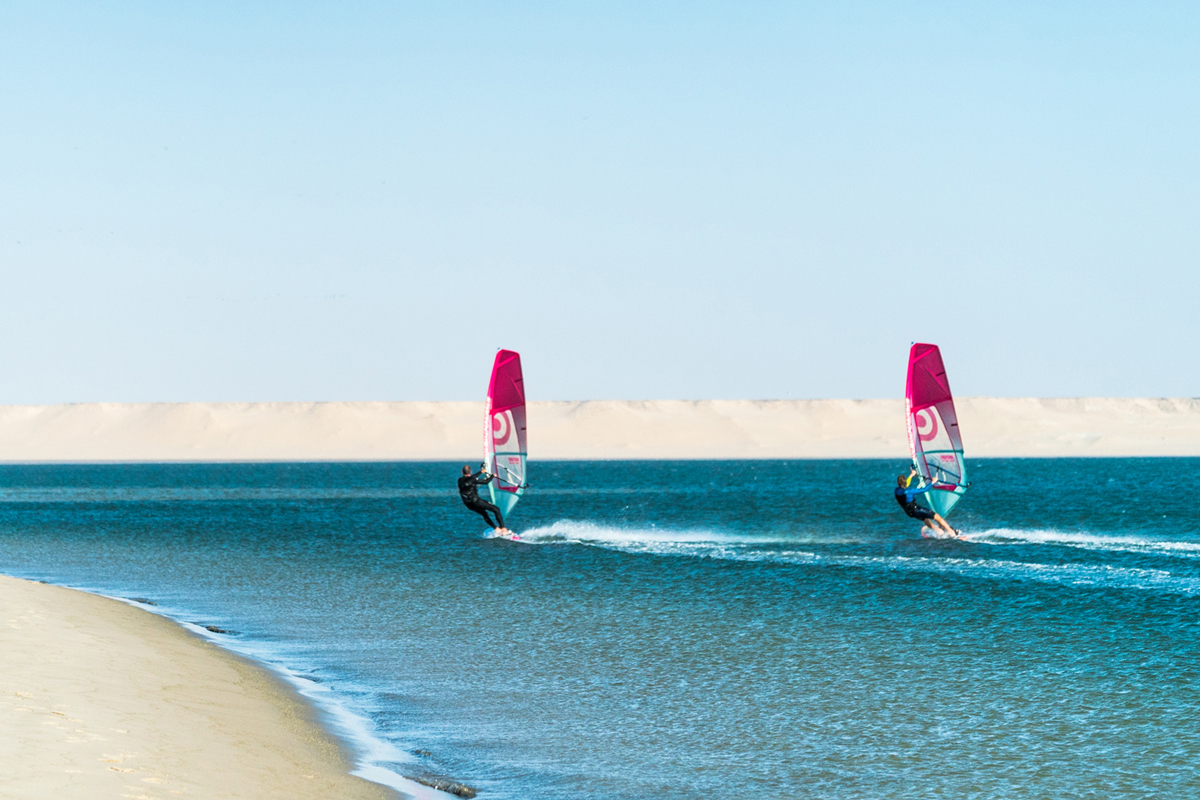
x=504, y=436
x=933, y=435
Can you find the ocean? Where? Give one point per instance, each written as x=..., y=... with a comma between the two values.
x=680, y=629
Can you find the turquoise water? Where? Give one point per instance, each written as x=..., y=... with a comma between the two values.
x=682, y=629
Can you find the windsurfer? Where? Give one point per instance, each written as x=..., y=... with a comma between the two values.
x=906, y=495
x=468, y=489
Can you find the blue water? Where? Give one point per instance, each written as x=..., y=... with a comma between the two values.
x=682, y=629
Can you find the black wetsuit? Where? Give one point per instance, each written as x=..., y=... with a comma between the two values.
x=468, y=489
x=905, y=497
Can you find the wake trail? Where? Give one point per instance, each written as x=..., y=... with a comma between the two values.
x=1086, y=541
x=649, y=540
x=785, y=551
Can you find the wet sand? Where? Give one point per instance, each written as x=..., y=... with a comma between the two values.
x=99, y=699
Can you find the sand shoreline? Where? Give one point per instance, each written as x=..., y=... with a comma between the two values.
x=103, y=699
x=600, y=430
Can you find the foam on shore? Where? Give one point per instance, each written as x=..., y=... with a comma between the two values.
x=601, y=429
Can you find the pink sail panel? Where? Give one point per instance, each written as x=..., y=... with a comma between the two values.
x=927, y=382
x=507, y=387
x=504, y=443
x=933, y=436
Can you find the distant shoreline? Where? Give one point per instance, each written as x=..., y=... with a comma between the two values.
x=586, y=430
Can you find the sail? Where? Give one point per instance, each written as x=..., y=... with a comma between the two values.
x=504, y=450
x=933, y=436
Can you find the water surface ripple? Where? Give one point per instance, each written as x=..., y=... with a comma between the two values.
x=682, y=629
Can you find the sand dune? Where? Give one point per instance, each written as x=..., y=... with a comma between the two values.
x=586, y=430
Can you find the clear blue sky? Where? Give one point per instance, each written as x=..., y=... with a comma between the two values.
x=361, y=201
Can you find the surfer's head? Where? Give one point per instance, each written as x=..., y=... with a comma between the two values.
x=466, y=469
x=902, y=480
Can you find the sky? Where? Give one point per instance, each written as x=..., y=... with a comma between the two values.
x=244, y=201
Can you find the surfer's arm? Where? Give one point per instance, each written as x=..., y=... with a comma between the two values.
x=911, y=492
x=927, y=487
x=478, y=477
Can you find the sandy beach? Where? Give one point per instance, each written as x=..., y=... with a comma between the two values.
x=100, y=699
x=599, y=429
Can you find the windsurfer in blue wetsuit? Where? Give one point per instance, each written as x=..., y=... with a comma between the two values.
x=906, y=495
x=468, y=490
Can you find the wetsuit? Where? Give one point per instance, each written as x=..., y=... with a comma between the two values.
x=906, y=497
x=468, y=489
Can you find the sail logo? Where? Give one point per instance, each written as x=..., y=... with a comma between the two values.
x=501, y=427
x=927, y=426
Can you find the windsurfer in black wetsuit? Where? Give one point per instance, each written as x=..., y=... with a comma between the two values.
x=468, y=489
x=906, y=496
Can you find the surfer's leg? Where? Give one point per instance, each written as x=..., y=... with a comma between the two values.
x=930, y=520
x=482, y=510
x=483, y=507
x=945, y=525
x=499, y=518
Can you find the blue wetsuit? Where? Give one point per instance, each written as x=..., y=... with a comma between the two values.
x=906, y=497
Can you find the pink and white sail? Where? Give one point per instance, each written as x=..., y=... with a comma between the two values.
x=933, y=435
x=504, y=447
